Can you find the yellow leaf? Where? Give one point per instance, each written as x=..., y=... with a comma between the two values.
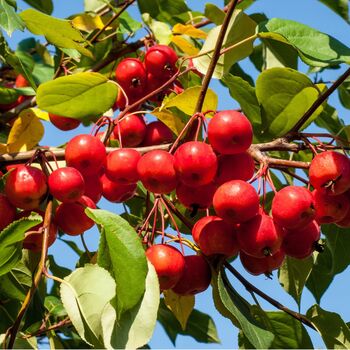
x=184, y=45
x=3, y=148
x=40, y=114
x=87, y=23
x=169, y=119
x=180, y=305
x=26, y=132
x=189, y=30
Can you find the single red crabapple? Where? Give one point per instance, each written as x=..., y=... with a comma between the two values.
x=196, y=276
x=86, y=153
x=66, y=184
x=293, y=207
x=168, y=262
x=230, y=132
x=236, y=201
x=330, y=170
x=63, y=123
x=116, y=192
x=21, y=81
x=198, y=226
x=7, y=212
x=238, y=166
x=157, y=133
x=160, y=61
x=132, y=129
x=156, y=171
x=71, y=218
x=26, y=187
x=195, y=163
x=260, y=236
x=300, y=243
x=121, y=165
x=93, y=187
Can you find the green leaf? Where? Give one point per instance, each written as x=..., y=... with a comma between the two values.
x=85, y=293
x=161, y=30
x=54, y=306
x=339, y=245
x=340, y=7
x=122, y=254
x=344, y=93
x=315, y=48
x=79, y=96
x=128, y=24
x=293, y=275
x=279, y=54
x=136, y=326
x=170, y=119
x=200, y=326
x=241, y=28
x=240, y=308
x=9, y=20
x=163, y=10
x=57, y=31
x=187, y=100
x=244, y=94
x=45, y=6
x=333, y=330
x=11, y=241
x=320, y=277
x=214, y=13
x=289, y=332
x=8, y=95
x=21, y=343
x=285, y=95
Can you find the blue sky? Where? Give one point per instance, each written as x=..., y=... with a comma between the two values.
x=310, y=12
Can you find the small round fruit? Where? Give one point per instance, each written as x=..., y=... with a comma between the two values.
x=238, y=166
x=300, y=243
x=168, y=262
x=293, y=207
x=132, y=129
x=93, y=187
x=116, y=192
x=260, y=236
x=236, y=201
x=7, y=212
x=71, y=218
x=265, y=265
x=195, y=163
x=156, y=171
x=218, y=237
x=21, y=81
x=86, y=153
x=34, y=237
x=26, y=187
x=330, y=170
x=66, y=184
x=200, y=197
x=157, y=133
x=160, y=60
x=230, y=132
x=63, y=123
x=121, y=166
x=198, y=226
x=330, y=208
x=196, y=276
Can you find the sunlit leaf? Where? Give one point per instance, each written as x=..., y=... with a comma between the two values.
x=189, y=30
x=9, y=20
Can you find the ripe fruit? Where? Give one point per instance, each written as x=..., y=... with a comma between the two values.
x=236, y=201
x=260, y=236
x=156, y=171
x=293, y=207
x=157, y=133
x=34, y=240
x=116, y=192
x=63, y=123
x=160, y=61
x=26, y=187
x=196, y=276
x=234, y=167
x=168, y=262
x=230, y=132
x=258, y=266
x=331, y=171
x=131, y=76
x=301, y=242
x=121, y=166
x=7, y=212
x=66, y=184
x=330, y=208
x=216, y=236
x=200, y=197
x=21, y=81
x=195, y=163
x=198, y=226
x=93, y=187
x=71, y=217
x=132, y=129
x=86, y=153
